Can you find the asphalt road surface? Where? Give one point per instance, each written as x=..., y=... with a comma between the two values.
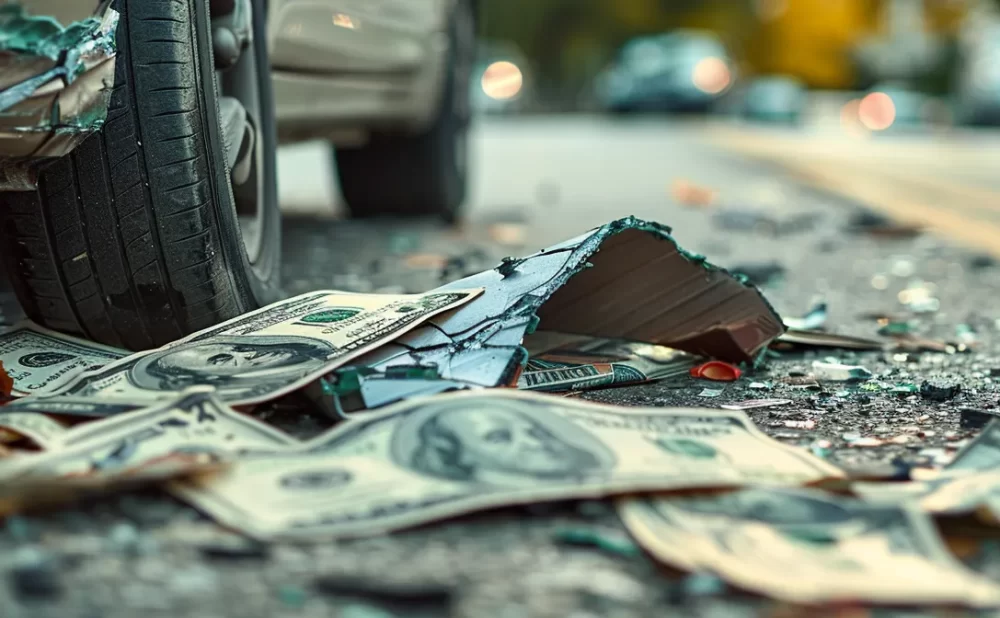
x=537, y=181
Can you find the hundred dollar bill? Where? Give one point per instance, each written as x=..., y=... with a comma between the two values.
x=41, y=361
x=807, y=547
x=77, y=406
x=35, y=492
x=595, y=363
x=442, y=456
x=947, y=494
x=269, y=352
x=969, y=483
x=38, y=428
x=194, y=423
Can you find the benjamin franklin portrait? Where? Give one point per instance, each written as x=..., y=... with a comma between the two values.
x=498, y=442
x=235, y=366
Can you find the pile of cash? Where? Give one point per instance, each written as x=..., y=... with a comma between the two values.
x=700, y=490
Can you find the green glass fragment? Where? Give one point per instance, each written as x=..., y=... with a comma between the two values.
x=608, y=542
x=895, y=328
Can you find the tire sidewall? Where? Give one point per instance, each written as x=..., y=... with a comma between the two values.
x=257, y=283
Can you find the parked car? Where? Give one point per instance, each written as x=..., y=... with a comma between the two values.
x=895, y=107
x=977, y=88
x=138, y=198
x=685, y=70
x=775, y=99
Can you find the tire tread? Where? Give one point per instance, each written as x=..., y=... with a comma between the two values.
x=120, y=242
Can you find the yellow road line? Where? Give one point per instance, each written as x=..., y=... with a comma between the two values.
x=950, y=210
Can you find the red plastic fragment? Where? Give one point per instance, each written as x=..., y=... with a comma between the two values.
x=716, y=370
x=6, y=382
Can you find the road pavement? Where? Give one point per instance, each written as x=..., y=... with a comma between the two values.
x=537, y=181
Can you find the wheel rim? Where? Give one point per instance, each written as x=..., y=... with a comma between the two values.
x=240, y=115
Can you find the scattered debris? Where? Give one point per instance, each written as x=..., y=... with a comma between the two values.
x=761, y=274
x=292, y=596
x=973, y=418
x=874, y=224
x=711, y=392
x=895, y=328
x=6, y=382
x=911, y=342
x=918, y=297
x=820, y=339
x=407, y=597
x=609, y=283
x=966, y=335
x=742, y=220
x=939, y=390
x=609, y=541
x=813, y=320
x=34, y=575
x=750, y=404
x=586, y=363
x=982, y=261
x=687, y=193
x=234, y=549
x=717, y=371
x=700, y=585
x=508, y=234
x=432, y=261
x=806, y=382
x=807, y=424
x=836, y=372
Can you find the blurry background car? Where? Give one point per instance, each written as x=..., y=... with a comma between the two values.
x=501, y=79
x=894, y=106
x=388, y=83
x=775, y=98
x=686, y=70
x=977, y=87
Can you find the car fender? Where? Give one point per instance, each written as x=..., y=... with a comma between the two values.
x=55, y=84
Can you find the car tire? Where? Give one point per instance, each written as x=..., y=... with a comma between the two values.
x=133, y=239
x=424, y=174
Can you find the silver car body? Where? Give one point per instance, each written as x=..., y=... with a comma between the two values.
x=341, y=68
x=344, y=67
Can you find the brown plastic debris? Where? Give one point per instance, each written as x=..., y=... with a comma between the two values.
x=822, y=339
x=689, y=194
x=642, y=288
x=910, y=342
x=626, y=280
x=717, y=371
x=6, y=383
x=874, y=224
